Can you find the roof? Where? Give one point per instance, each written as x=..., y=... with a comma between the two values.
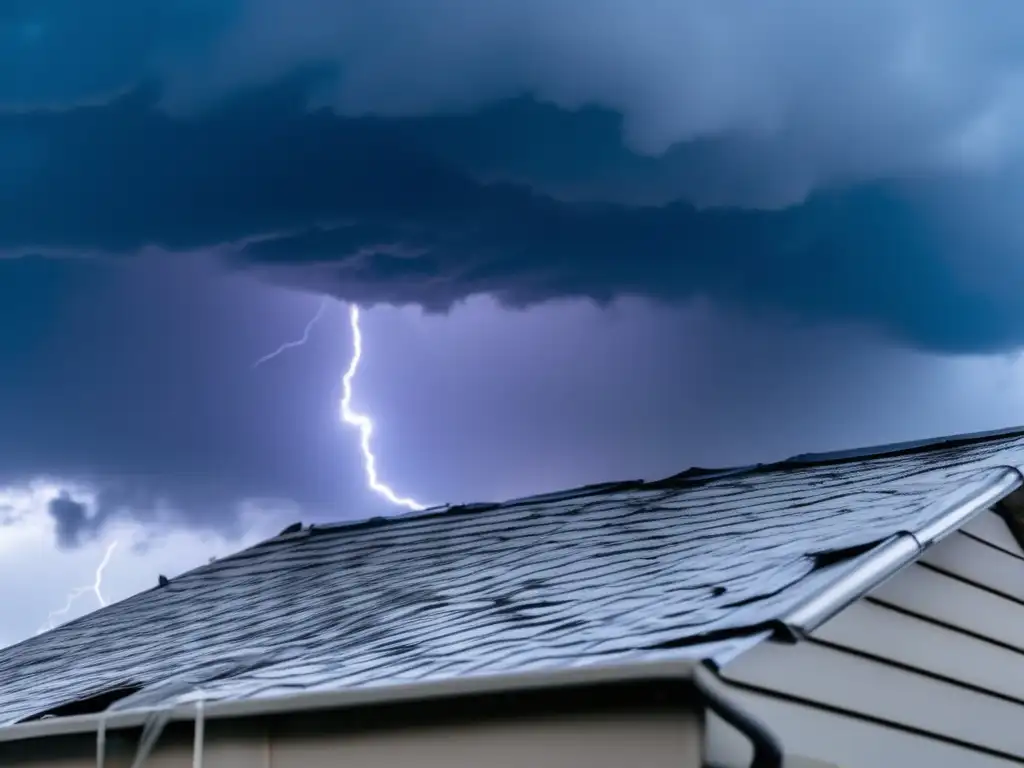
x=695, y=566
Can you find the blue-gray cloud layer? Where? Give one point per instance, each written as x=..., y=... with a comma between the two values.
x=860, y=159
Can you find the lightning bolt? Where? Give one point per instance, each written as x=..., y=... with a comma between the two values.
x=298, y=342
x=349, y=416
x=364, y=423
x=76, y=593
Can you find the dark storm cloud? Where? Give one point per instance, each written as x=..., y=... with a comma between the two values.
x=133, y=381
x=451, y=155
x=858, y=89
x=71, y=519
x=383, y=211
x=58, y=52
x=837, y=162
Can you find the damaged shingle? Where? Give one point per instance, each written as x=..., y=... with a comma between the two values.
x=692, y=563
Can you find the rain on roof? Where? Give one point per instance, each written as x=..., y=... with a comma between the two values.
x=700, y=565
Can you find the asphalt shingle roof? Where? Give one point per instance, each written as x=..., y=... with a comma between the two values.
x=689, y=564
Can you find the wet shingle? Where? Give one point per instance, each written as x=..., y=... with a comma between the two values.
x=555, y=581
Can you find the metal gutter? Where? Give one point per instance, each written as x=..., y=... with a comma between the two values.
x=898, y=551
x=598, y=674
x=999, y=487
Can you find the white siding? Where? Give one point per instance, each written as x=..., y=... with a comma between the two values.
x=992, y=529
x=928, y=669
x=834, y=739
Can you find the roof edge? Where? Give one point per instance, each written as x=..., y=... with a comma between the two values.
x=904, y=448
x=597, y=674
x=692, y=476
x=898, y=551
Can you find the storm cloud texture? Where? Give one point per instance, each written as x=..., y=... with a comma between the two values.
x=594, y=240
x=835, y=162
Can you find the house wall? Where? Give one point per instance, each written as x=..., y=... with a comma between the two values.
x=928, y=669
x=649, y=739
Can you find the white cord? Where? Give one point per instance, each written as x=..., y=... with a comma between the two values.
x=101, y=740
x=197, y=743
x=151, y=731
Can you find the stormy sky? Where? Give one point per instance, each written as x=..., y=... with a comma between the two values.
x=592, y=241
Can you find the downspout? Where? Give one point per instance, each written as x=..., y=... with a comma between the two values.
x=767, y=751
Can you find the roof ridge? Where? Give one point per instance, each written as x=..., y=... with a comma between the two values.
x=691, y=476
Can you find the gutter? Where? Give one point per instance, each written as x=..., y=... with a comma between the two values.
x=629, y=671
x=702, y=675
x=896, y=552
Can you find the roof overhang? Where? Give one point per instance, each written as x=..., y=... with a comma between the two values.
x=597, y=675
